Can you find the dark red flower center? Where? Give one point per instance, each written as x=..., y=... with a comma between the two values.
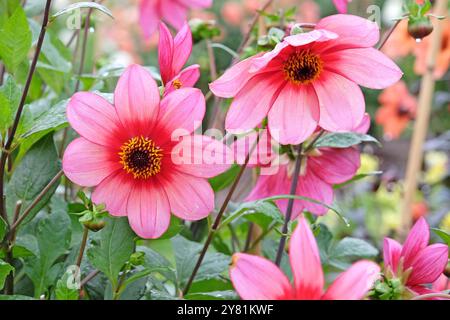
x=140, y=157
x=303, y=67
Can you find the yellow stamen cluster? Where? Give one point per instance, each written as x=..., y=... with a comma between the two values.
x=303, y=67
x=141, y=157
x=177, y=84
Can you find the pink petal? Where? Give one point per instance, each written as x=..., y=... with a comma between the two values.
x=197, y=3
x=182, y=48
x=174, y=13
x=256, y=278
x=364, y=126
x=253, y=102
x=365, y=66
x=191, y=198
x=315, y=188
x=391, y=254
x=137, y=100
x=429, y=264
x=233, y=80
x=94, y=118
x=417, y=240
x=341, y=5
x=335, y=165
x=261, y=155
x=149, y=16
x=294, y=115
x=354, y=283
x=114, y=192
x=87, y=164
x=182, y=111
x=188, y=78
x=305, y=263
x=342, y=104
x=353, y=31
x=270, y=185
x=201, y=156
x=148, y=210
x=166, y=53
x=441, y=283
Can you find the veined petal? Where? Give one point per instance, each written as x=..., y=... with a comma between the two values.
x=182, y=48
x=391, y=253
x=197, y=3
x=166, y=53
x=253, y=102
x=148, y=210
x=354, y=283
x=114, y=192
x=256, y=278
x=87, y=164
x=311, y=186
x=429, y=264
x=191, y=198
x=182, y=111
x=342, y=104
x=233, y=80
x=187, y=78
x=305, y=263
x=353, y=31
x=94, y=118
x=335, y=165
x=149, y=17
x=367, y=67
x=201, y=156
x=136, y=99
x=417, y=240
x=174, y=13
x=294, y=114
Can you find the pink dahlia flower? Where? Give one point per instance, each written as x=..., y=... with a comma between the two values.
x=130, y=153
x=416, y=263
x=173, y=53
x=321, y=169
x=151, y=12
x=309, y=79
x=256, y=278
x=341, y=5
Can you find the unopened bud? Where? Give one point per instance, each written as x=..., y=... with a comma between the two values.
x=419, y=28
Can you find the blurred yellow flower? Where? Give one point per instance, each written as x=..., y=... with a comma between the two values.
x=436, y=162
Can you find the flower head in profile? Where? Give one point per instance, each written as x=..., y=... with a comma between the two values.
x=256, y=278
x=174, y=12
x=398, y=108
x=416, y=263
x=341, y=5
x=173, y=53
x=129, y=152
x=308, y=79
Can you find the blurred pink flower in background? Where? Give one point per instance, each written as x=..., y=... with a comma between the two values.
x=309, y=79
x=256, y=278
x=173, y=12
x=126, y=152
x=416, y=263
x=173, y=53
x=341, y=5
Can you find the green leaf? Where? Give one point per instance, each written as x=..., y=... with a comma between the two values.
x=32, y=175
x=443, y=235
x=186, y=255
x=3, y=228
x=175, y=227
x=52, y=119
x=9, y=101
x=81, y=5
x=53, y=238
x=5, y=270
x=213, y=295
x=115, y=246
x=6, y=115
x=358, y=177
x=15, y=40
x=62, y=290
x=225, y=179
x=343, y=140
x=261, y=212
x=349, y=250
x=14, y=297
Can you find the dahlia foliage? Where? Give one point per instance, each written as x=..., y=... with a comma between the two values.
x=200, y=149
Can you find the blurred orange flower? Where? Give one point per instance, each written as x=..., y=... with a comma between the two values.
x=398, y=107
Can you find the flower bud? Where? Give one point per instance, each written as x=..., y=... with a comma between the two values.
x=419, y=28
